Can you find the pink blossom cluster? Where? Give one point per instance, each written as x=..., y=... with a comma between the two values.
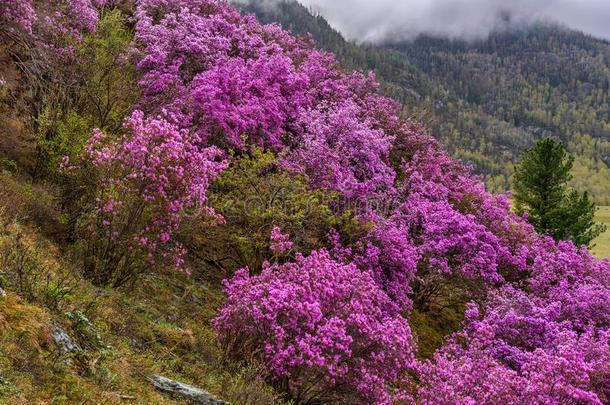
x=323, y=328
x=17, y=15
x=239, y=83
x=280, y=242
x=341, y=149
x=442, y=225
x=546, y=343
x=575, y=370
x=204, y=64
x=45, y=21
x=149, y=179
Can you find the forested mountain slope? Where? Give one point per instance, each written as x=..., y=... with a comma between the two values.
x=489, y=100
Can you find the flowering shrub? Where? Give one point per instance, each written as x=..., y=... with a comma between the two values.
x=454, y=377
x=253, y=97
x=573, y=279
x=548, y=343
x=209, y=67
x=240, y=84
x=148, y=180
x=323, y=329
x=573, y=370
x=342, y=151
x=576, y=371
x=390, y=255
x=441, y=232
x=46, y=21
x=20, y=14
x=280, y=242
x=424, y=244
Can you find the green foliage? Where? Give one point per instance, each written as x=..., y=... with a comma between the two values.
x=540, y=184
x=57, y=290
x=110, y=81
x=105, y=94
x=70, y=135
x=431, y=328
x=85, y=329
x=541, y=189
x=3, y=279
x=579, y=219
x=254, y=195
x=31, y=203
x=24, y=267
x=6, y=387
x=8, y=164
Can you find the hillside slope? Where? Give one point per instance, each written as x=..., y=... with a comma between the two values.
x=489, y=100
x=186, y=193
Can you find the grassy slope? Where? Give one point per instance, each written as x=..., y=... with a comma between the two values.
x=602, y=248
x=159, y=325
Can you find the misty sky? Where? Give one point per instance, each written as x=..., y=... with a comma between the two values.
x=382, y=20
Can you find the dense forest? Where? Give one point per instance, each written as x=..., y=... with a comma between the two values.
x=489, y=100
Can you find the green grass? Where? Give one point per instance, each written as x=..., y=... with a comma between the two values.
x=602, y=243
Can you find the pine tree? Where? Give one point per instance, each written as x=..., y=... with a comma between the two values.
x=580, y=225
x=540, y=188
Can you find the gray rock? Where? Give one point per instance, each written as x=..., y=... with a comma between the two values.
x=185, y=391
x=65, y=343
x=2, y=293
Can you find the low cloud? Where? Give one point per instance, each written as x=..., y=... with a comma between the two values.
x=391, y=20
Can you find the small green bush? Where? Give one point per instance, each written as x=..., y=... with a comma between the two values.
x=254, y=195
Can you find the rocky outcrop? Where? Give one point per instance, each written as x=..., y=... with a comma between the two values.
x=64, y=342
x=184, y=391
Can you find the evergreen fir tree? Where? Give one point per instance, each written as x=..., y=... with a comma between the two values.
x=541, y=189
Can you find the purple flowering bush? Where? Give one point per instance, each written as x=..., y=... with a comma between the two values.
x=39, y=20
x=571, y=368
x=547, y=343
x=323, y=329
x=341, y=150
x=149, y=179
x=241, y=84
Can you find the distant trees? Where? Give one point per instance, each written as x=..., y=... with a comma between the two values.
x=541, y=189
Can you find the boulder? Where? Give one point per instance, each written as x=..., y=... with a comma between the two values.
x=184, y=391
x=65, y=343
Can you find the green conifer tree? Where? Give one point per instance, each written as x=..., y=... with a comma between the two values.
x=540, y=188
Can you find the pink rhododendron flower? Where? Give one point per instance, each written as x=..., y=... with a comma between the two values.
x=320, y=322
x=280, y=242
